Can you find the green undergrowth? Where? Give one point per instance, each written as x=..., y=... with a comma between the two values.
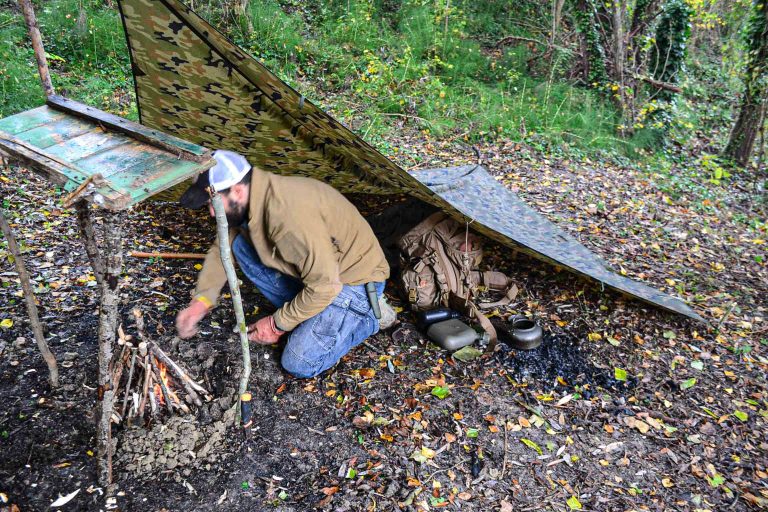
x=411, y=64
x=372, y=63
x=86, y=52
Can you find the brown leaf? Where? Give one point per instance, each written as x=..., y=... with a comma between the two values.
x=329, y=491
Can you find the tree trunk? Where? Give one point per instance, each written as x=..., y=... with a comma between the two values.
x=745, y=131
x=110, y=300
x=37, y=45
x=753, y=105
x=619, y=55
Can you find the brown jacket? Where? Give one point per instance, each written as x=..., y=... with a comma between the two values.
x=305, y=229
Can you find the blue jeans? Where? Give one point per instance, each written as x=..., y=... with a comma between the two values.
x=319, y=342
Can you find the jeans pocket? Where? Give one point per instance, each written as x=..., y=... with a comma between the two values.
x=327, y=325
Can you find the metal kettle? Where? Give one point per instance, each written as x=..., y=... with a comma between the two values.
x=525, y=333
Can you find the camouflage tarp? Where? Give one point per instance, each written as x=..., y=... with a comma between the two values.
x=193, y=83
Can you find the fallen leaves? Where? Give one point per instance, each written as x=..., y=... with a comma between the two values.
x=530, y=444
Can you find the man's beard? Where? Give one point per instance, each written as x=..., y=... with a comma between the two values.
x=237, y=214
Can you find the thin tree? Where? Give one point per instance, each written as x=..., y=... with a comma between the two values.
x=755, y=98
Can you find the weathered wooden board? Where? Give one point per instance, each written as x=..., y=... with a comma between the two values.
x=93, y=142
x=56, y=132
x=30, y=119
x=180, y=147
x=71, y=143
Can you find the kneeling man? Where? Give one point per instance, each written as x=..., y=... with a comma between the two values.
x=308, y=251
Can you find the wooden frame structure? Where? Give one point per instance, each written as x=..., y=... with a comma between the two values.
x=111, y=162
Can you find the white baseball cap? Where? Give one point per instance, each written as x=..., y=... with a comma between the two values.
x=229, y=170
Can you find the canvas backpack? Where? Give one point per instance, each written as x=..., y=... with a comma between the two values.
x=439, y=260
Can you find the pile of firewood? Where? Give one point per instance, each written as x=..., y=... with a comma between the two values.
x=153, y=382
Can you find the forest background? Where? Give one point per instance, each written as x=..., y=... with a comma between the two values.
x=636, y=125
x=656, y=81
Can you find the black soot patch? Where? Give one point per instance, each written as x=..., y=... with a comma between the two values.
x=560, y=355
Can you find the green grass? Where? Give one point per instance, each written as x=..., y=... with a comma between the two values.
x=374, y=60
x=87, y=57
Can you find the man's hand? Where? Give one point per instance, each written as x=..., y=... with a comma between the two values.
x=187, y=319
x=264, y=331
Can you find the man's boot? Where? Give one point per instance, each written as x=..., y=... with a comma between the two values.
x=388, y=315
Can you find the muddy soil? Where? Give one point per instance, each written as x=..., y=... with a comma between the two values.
x=556, y=428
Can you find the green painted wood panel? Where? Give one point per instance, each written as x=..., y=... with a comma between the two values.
x=143, y=181
x=91, y=143
x=30, y=119
x=55, y=132
x=70, y=145
x=117, y=159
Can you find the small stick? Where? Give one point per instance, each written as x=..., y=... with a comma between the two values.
x=147, y=377
x=506, y=451
x=118, y=371
x=168, y=255
x=152, y=397
x=192, y=397
x=128, y=384
x=159, y=379
x=79, y=193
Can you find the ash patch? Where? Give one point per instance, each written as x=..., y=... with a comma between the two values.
x=561, y=356
x=175, y=448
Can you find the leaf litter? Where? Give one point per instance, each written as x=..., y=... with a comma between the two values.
x=604, y=444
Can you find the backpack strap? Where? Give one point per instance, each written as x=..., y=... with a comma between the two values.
x=497, y=281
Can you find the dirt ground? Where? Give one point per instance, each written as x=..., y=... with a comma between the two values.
x=623, y=407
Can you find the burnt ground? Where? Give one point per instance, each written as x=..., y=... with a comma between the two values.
x=550, y=429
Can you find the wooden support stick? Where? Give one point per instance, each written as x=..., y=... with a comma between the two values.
x=234, y=288
x=110, y=300
x=37, y=45
x=145, y=389
x=168, y=255
x=29, y=299
x=85, y=222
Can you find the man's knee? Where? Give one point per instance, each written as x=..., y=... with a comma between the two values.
x=299, y=365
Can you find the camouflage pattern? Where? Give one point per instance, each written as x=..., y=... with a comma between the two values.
x=469, y=192
x=193, y=83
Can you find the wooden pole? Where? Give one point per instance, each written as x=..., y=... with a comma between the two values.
x=168, y=255
x=110, y=300
x=37, y=46
x=226, y=259
x=85, y=222
x=29, y=298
